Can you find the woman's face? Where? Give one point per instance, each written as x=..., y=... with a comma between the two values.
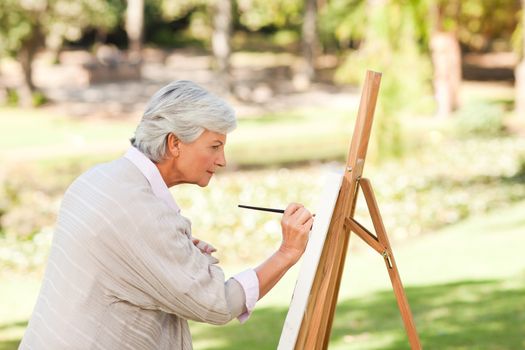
x=197, y=161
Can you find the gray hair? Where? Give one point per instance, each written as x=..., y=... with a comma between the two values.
x=184, y=109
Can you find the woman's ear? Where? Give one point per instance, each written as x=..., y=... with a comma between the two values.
x=173, y=145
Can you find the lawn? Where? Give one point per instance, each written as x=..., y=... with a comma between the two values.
x=465, y=284
x=41, y=134
x=267, y=139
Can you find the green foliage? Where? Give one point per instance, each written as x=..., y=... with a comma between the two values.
x=517, y=40
x=520, y=174
x=12, y=98
x=194, y=20
x=257, y=14
x=479, y=118
x=29, y=204
x=186, y=23
x=342, y=21
x=480, y=25
x=483, y=24
x=164, y=37
x=39, y=99
x=348, y=22
x=171, y=10
x=285, y=38
x=390, y=46
x=23, y=21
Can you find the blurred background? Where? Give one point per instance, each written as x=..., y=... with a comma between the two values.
x=446, y=158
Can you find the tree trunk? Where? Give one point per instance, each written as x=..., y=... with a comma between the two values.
x=309, y=40
x=26, y=56
x=135, y=28
x=222, y=31
x=520, y=73
x=520, y=90
x=446, y=59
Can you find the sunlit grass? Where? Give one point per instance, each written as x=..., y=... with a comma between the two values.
x=278, y=138
x=30, y=129
x=17, y=298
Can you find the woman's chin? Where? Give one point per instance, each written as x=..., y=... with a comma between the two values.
x=203, y=182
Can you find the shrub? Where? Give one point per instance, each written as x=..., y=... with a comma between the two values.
x=12, y=98
x=39, y=99
x=481, y=119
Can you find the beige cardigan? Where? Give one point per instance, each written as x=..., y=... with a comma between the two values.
x=123, y=272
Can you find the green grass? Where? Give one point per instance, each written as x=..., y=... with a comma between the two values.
x=465, y=285
x=29, y=129
x=17, y=297
x=295, y=136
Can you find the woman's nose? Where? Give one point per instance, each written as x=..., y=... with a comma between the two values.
x=221, y=160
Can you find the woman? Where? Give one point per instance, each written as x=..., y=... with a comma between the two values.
x=124, y=270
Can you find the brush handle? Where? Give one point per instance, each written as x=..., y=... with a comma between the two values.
x=272, y=210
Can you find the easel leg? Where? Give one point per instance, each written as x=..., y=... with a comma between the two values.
x=390, y=262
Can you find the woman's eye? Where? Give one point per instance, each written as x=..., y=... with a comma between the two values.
x=215, y=147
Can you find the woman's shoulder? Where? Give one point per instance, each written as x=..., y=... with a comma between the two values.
x=117, y=174
x=112, y=185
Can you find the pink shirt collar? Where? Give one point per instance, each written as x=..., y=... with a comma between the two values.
x=151, y=172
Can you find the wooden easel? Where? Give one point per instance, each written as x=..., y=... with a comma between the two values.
x=316, y=325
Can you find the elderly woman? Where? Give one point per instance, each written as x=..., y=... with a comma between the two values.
x=124, y=270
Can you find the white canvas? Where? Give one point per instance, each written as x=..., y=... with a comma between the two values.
x=311, y=257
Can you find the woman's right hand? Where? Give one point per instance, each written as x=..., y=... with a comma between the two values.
x=296, y=224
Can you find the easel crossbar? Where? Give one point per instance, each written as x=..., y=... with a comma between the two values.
x=381, y=244
x=364, y=234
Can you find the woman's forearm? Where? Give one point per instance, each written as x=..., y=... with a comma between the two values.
x=296, y=224
x=272, y=270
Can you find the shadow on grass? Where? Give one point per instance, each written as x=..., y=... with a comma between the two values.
x=487, y=314
x=10, y=343
x=17, y=324
x=463, y=315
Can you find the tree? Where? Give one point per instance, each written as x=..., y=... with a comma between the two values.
x=478, y=26
x=309, y=40
x=277, y=14
x=386, y=36
x=27, y=26
x=222, y=31
x=520, y=71
x=135, y=28
x=446, y=58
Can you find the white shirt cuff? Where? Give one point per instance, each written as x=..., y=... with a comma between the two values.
x=250, y=283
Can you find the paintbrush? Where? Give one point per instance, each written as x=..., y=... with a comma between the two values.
x=272, y=210
x=261, y=208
